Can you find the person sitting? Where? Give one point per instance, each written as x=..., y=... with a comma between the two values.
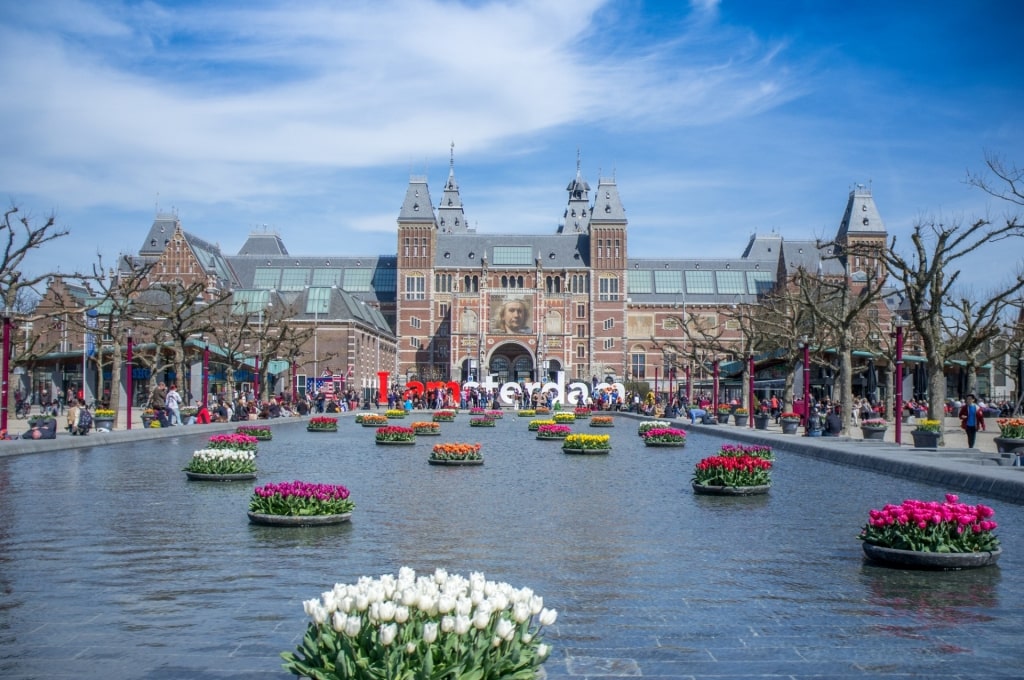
x=73, y=412
x=303, y=407
x=332, y=407
x=274, y=409
x=202, y=416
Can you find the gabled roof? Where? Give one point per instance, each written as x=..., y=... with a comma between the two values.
x=372, y=278
x=159, y=235
x=514, y=251
x=263, y=243
x=812, y=257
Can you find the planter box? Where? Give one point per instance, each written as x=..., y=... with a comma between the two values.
x=790, y=426
x=723, y=418
x=741, y=420
x=761, y=422
x=873, y=433
x=926, y=440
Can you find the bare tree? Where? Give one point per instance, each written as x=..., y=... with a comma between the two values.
x=929, y=274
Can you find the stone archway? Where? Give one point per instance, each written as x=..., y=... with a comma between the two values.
x=511, y=362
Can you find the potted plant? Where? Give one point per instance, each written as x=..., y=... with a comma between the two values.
x=221, y=465
x=740, y=416
x=664, y=436
x=581, y=412
x=761, y=419
x=652, y=425
x=481, y=422
x=148, y=417
x=723, y=411
x=426, y=429
x=395, y=434
x=324, y=424
x=873, y=428
x=233, y=442
x=526, y=413
x=553, y=431
x=790, y=422
x=103, y=418
x=931, y=535
x=927, y=433
x=565, y=417
x=587, y=443
x=535, y=425
x=445, y=416
x=602, y=421
x=495, y=414
x=374, y=420
x=732, y=475
x=493, y=630
x=456, y=454
x=300, y=504
x=1011, y=437
x=260, y=432
x=394, y=413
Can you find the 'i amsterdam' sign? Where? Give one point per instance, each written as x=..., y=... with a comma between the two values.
x=576, y=394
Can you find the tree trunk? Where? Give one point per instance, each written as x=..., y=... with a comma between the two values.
x=846, y=380
x=937, y=394
x=115, y=381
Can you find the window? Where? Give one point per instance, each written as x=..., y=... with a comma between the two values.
x=414, y=321
x=617, y=244
x=670, y=282
x=581, y=351
x=609, y=323
x=443, y=283
x=414, y=343
x=266, y=278
x=472, y=284
x=581, y=330
x=553, y=284
x=609, y=288
x=638, y=365
x=512, y=255
x=318, y=300
x=294, y=279
x=407, y=246
x=249, y=301
x=326, y=277
x=699, y=282
x=444, y=310
x=609, y=343
x=385, y=280
x=638, y=281
x=581, y=311
x=579, y=284
x=358, y=280
x=760, y=282
x=730, y=283
x=415, y=287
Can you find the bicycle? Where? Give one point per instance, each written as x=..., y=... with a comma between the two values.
x=22, y=410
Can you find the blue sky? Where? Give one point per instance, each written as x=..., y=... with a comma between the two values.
x=717, y=119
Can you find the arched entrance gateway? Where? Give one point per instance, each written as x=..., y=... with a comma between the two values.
x=509, y=362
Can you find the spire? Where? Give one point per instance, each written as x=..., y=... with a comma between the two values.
x=451, y=218
x=577, y=215
x=861, y=216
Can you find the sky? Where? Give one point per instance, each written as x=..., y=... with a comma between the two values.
x=717, y=119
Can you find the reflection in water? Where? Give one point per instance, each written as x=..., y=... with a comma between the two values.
x=138, y=563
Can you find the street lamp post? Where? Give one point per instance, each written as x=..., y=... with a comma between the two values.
x=689, y=383
x=128, y=381
x=206, y=372
x=714, y=388
x=899, y=381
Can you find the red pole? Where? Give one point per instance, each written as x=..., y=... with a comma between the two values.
x=715, y=388
x=807, y=385
x=750, y=385
x=655, y=383
x=6, y=370
x=206, y=373
x=128, y=381
x=689, y=388
x=899, y=385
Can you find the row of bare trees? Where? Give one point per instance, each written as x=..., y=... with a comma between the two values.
x=846, y=313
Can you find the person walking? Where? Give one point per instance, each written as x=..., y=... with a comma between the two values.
x=173, y=403
x=158, y=398
x=972, y=419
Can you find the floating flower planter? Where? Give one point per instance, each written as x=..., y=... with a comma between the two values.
x=526, y=413
x=565, y=418
x=931, y=535
x=221, y=465
x=581, y=413
x=537, y=424
x=374, y=420
x=300, y=504
x=323, y=424
x=553, y=431
x=493, y=630
x=495, y=414
x=587, y=443
x=426, y=429
x=456, y=454
x=664, y=437
x=394, y=413
x=260, y=432
x=602, y=421
x=734, y=472
x=233, y=442
x=394, y=434
x=481, y=422
x=444, y=416
x=652, y=425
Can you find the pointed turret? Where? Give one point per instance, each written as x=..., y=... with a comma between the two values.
x=451, y=218
x=417, y=206
x=576, y=219
x=607, y=204
x=862, y=217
